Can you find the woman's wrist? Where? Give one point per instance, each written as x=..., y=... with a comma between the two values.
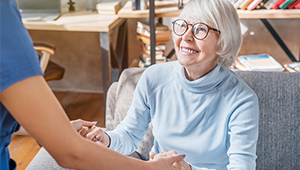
x=109, y=140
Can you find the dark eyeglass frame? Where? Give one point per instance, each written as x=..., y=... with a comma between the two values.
x=209, y=28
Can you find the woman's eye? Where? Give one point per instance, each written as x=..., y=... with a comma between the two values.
x=182, y=26
x=199, y=29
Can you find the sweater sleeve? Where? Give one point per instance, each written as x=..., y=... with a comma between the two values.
x=243, y=133
x=130, y=132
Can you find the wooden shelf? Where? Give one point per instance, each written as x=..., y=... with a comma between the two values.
x=77, y=21
x=269, y=14
x=170, y=9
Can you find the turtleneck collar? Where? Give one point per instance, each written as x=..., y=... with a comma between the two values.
x=203, y=84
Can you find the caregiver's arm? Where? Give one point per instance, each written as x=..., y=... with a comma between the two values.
x=32, y=103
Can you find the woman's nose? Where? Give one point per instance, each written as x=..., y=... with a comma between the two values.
x=188, y=35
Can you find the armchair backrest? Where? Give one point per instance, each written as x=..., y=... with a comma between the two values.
x=46, y=50
x=52, y=70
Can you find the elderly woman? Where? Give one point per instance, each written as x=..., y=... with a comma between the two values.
x=197, y=106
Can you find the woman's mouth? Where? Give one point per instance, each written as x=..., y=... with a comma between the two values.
x=188, y=50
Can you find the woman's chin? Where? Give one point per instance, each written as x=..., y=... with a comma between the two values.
x=185, y=62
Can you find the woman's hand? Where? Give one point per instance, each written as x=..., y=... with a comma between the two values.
x=96, y=134
x=179, y=165
x=82, y=127
x=90, y=131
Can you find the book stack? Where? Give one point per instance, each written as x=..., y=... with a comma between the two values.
x=265, y=4
x=162, y=37
x=109, y=8
x=260, y=62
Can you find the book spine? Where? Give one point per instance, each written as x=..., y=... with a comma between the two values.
x=293, y=4
x=137, y=4
x=261, y=5
x=270, y=3
x=133, y=5
x=297, y=6
x=238, y=3
x=253, y=4
x=277, y=4
x=245, y=4
x=286, y=4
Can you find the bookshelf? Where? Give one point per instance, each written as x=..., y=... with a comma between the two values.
x=170, y=9
x=162, y=9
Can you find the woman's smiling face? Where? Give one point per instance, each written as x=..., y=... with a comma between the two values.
x=196, y=55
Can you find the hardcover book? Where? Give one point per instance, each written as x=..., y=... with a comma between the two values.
x=293, y=4
x=261, y=62
x=297, y=6
x=286, y=3
x=261, y=5
x=109, y=7
x=270, y=3
x=245, y=4
x=238, y=3
x=253, y=4
x=277, y=4
x=293, y=67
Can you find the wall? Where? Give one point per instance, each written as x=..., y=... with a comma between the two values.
x=259, y=40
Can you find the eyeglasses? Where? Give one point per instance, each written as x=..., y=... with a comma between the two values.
x=199, y=30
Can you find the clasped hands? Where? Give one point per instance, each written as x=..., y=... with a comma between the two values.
x=90, y=131
x=180, y=165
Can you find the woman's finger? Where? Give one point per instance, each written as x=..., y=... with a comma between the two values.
x=88, y=123
x=78, y=123
x=95, y=132
x=152, y=154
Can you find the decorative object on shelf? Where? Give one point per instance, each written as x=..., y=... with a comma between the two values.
x=180, y=4
x=71, y=6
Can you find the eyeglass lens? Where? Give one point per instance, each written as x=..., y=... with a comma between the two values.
x=199, y=30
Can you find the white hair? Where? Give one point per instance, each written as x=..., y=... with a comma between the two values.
x=219, y=14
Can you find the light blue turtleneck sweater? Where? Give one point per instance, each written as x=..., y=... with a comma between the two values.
x=213, y=120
